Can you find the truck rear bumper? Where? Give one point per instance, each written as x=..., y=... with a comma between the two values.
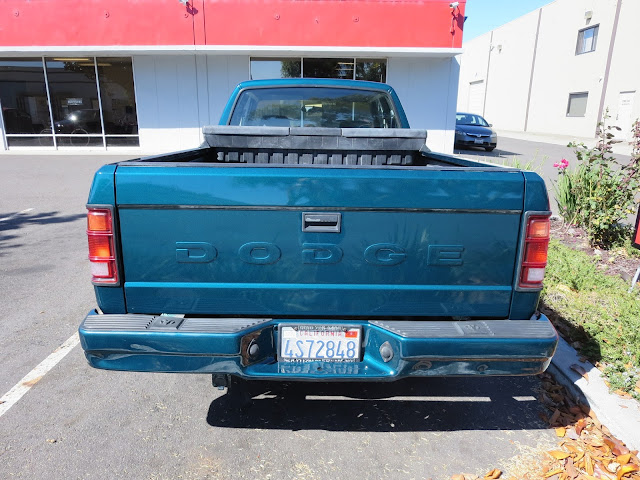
x=149, y=343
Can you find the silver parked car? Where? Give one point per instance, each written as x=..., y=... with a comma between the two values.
x=474, y=131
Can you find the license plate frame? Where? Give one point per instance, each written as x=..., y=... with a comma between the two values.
x=315, y=341
x=478, y=141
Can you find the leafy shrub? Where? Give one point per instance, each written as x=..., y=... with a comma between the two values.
x=600, y=192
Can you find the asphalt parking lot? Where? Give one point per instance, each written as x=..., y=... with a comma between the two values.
x=77, y=422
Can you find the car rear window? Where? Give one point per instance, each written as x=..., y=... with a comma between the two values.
x=314, y=107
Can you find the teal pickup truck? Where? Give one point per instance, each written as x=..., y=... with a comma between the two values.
x=314, y=237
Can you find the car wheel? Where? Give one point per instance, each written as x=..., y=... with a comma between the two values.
x=489, y=149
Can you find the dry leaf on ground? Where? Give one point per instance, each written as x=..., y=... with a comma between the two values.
x=580, y=371
x=587, y=451
x=559, y=454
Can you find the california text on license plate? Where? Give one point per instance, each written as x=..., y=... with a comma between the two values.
x=329, y=343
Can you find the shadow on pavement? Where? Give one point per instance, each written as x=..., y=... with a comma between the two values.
x=429, y=404
x=15, y=221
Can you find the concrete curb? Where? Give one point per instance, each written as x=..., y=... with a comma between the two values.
x=620, y=415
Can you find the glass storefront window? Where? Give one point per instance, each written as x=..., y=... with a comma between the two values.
x=29, y=141
x=23, y=95
x=266, y=68
x=328, y=68
x=89, y=101
x=74, y=96
x=373, y=70
x=118, y=99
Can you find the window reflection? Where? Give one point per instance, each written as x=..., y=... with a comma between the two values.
x=23, y=95
x=117, y=96
x=265, y=68
x=74, y=96
x=81, y=116
x=328, y=68
x=373, y=70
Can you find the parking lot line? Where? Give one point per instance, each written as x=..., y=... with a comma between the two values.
x=10, y=398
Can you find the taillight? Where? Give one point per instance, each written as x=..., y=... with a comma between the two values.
x=102, y=252
x=534, y=252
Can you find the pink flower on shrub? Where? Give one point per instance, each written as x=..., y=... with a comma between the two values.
x=562, y=164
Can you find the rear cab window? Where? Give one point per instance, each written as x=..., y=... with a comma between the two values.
x=326, y=107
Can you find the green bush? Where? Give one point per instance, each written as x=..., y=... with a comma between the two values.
x=599, y=193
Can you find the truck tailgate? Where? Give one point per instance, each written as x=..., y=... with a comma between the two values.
x=295, y=241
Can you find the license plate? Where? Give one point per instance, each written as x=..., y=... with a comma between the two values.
x=478, y=140
x=328, y=343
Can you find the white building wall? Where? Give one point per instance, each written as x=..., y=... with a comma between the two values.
x=507, y=84
x=624, y=75
x=498, y=65
x=428, y=89
x=473, y=75
x=178, y=94
x=558, y=71
x=473, y=70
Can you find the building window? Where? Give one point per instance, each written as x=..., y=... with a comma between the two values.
x=587, y=39
x=328, y=68
x=266, y=68
x=75, y=102
x=118, y=101
x=374, y=70
x=577, y=106
x=25, y=108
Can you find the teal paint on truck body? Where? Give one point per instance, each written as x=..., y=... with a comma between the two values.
x=219, y=249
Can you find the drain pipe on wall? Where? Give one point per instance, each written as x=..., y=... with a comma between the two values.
x=486, y=77
x=533, y=66
x=605, y=81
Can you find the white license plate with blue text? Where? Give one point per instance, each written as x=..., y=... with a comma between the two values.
x=329, y=343
x=479, y=140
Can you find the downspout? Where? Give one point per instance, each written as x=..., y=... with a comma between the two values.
x=607, y=69
x=533, y=66
x=486, y=78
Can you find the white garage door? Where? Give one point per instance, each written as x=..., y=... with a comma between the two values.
x=625, y=107
x=476, y=97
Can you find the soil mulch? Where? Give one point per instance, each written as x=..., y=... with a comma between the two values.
x=612, y=262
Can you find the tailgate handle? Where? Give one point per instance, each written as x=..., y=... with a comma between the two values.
x=321, y=222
